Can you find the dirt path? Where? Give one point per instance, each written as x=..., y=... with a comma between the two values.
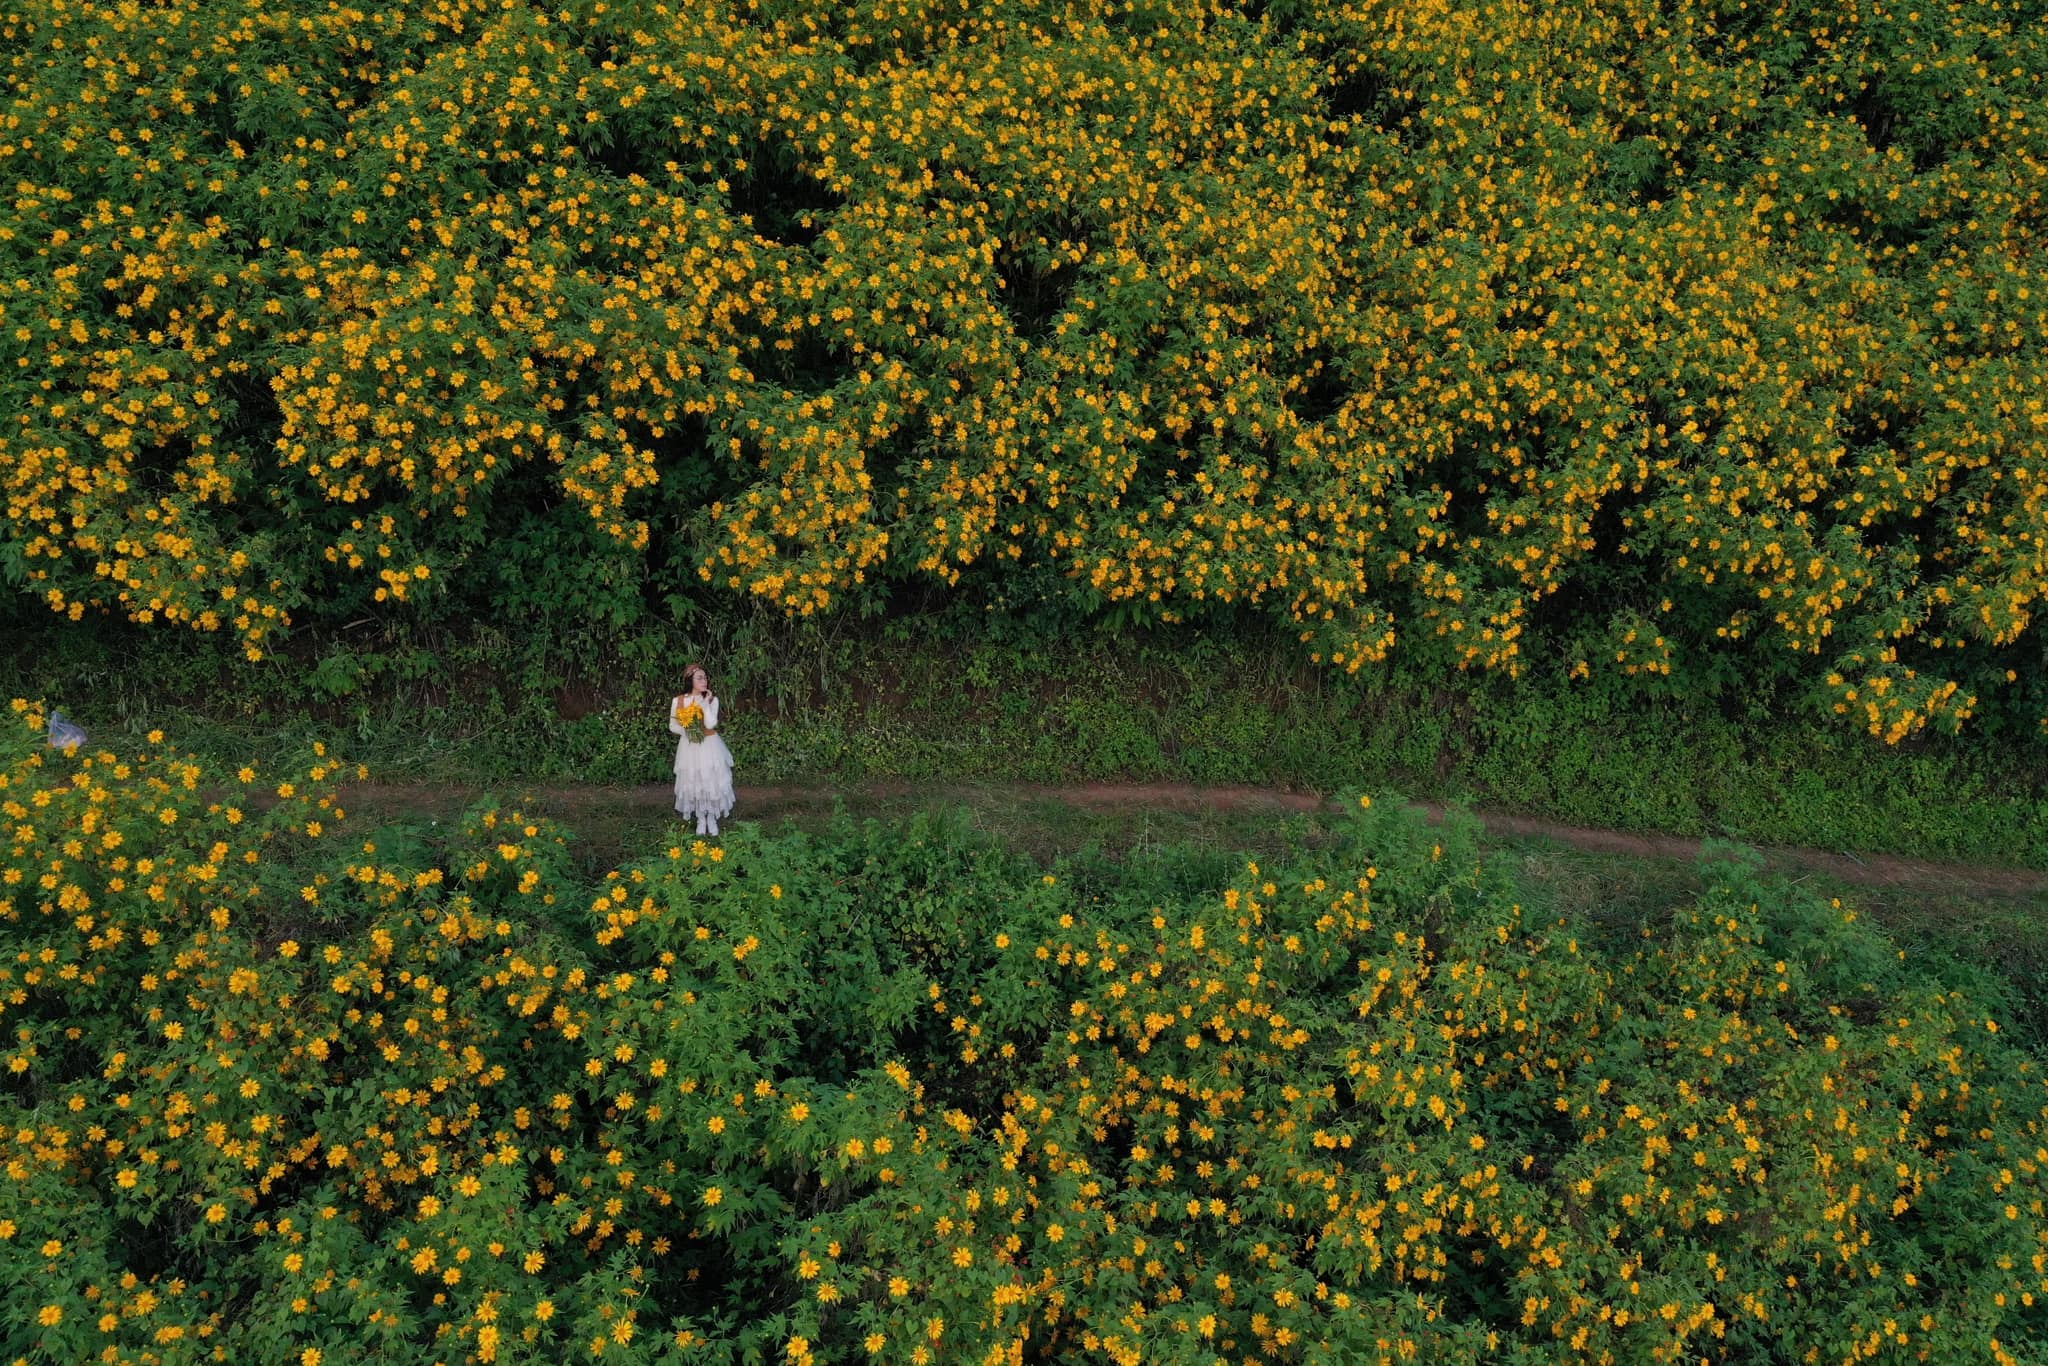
x=771, y=802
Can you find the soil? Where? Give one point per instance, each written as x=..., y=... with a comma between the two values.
x=759, y=802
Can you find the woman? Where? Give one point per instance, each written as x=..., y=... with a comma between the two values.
x=703, y=766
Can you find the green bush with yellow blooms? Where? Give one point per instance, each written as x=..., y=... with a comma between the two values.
x=1693, y=344
x=275, y=1089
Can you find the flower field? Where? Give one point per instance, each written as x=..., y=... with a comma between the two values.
x=1685, y=343
x=277, y=1089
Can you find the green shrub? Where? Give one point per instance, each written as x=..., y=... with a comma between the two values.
x=277, y=1092
x=1683, y=346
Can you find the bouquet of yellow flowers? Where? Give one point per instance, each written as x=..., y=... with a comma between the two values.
x=690, y=717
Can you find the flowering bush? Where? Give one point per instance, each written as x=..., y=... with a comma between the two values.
x=274, y=1092
x=1705, y=342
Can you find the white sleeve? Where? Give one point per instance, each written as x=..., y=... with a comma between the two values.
x=674, y=726
x=711, y=713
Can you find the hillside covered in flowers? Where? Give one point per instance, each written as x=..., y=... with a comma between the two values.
x=1696, y=341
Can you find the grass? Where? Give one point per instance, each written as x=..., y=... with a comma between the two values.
x=615, y=825
x=929, y=701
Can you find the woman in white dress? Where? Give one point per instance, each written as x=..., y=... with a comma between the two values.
x=703, y=767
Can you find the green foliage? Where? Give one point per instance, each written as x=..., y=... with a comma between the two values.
x=951, y=702
x=273, y=1089
x=1688, y=345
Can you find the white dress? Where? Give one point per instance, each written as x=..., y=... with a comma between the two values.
x=703, y=767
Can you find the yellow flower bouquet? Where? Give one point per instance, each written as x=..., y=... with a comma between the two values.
x=690, y=717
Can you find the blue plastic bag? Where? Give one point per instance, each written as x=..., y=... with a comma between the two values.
x=65, y=735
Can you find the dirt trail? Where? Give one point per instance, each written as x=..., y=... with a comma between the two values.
x=770, y=802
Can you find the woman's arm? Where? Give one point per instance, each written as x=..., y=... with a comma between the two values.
x=675, y=727
x=711, y=713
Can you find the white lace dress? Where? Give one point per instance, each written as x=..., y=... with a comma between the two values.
x=703, y=767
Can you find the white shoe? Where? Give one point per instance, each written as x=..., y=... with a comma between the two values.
x=713, y=831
